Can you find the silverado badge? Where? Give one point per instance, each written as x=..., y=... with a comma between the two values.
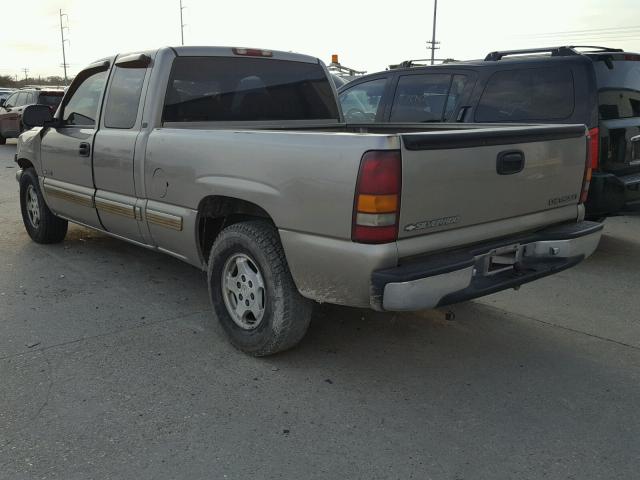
x=438, y=222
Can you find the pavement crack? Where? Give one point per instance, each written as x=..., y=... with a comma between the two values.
x=49, y=388
x=102, y=335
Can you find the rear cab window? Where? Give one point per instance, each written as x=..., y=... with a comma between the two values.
x=232, y=89
x=528, y=95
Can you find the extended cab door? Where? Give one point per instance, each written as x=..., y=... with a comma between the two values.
x=117, y=149
x=67, y=148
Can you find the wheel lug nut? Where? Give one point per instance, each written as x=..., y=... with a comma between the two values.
x=246, y=303
x=244, y=279
x=250, y=283
x=252, y=297
x=238, y=284
x=240, y=296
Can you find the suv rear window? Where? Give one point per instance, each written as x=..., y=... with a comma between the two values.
x=51, y=99
x=523, y=95
x=247, y=89
x=618, y=89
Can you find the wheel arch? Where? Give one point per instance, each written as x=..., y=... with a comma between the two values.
x=25, y=163
x=216, y=212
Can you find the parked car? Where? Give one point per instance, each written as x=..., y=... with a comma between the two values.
x=599, y=87
x=5, y=92
x=238, y=161
x=12, y=107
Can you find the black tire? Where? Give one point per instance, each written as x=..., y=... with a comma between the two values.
x=286, y=313
x=2, y=140
x=48, y=228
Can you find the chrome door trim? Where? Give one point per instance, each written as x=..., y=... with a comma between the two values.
x=69, y=195
x=165, y=220
x=116, y=208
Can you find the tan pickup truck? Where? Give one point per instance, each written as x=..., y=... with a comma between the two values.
x=238, y=161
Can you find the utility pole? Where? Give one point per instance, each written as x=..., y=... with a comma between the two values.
x=433, y=36
x=181, y=24
x=26, y=72
x=64, y=56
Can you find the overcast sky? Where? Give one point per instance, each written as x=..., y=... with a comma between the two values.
x=367, y=35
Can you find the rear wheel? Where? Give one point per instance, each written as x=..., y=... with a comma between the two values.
x=252, y=292
x=2, y=140
x=41, y=224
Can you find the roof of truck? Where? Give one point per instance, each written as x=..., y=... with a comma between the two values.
x=206, y=51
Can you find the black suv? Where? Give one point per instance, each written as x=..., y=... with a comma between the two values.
x=595, y=86
x=12, y=107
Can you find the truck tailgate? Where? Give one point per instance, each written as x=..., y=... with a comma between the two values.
x=460, y=178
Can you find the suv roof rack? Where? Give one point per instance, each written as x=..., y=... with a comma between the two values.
x=563, y=51
x=42, y=87
x=414, y=62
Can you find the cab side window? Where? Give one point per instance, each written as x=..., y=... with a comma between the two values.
x=82, y=107
x=11, y=101
x=524, y=95
x=22, y=99
x=121, y=109
x=360, y=103
x=420, y=98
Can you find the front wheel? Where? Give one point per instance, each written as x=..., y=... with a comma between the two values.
x=41, y=225
x=252, y=292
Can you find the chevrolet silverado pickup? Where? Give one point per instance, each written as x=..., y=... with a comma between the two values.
x=238, y=162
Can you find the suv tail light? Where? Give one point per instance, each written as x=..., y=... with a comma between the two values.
x=591, y=163
x=594, y=148
x=376, y=209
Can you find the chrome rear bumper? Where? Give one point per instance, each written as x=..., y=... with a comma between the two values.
x=459, y=275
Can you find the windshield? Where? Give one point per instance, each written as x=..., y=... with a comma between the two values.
x=618, y=88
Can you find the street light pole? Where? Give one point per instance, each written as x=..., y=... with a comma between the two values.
x=64, y=56
x=433, y=37
x=181, y=24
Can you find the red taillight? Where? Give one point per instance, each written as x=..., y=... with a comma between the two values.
x=252, y=52
x=591, y=163
x=594, y=148
x=376, y=209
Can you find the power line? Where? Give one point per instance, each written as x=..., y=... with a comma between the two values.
x=588, y=31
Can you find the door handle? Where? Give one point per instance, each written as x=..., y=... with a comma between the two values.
x=510, y=162
x=84, y=149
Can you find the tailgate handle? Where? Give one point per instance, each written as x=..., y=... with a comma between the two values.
x=510, y=162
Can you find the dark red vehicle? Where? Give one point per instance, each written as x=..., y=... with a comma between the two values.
x=11, y=108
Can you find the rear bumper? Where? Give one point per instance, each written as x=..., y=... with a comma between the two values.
x=610, y=194
x=463, y=274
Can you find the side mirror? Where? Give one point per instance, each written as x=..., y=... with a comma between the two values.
x=2, y=101
x=36, y=116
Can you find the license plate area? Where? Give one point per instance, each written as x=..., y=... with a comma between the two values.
x=499, y=260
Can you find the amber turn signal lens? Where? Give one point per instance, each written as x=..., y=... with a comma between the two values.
x=377, y=203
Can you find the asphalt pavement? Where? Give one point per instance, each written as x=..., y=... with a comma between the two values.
x=111, y=366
